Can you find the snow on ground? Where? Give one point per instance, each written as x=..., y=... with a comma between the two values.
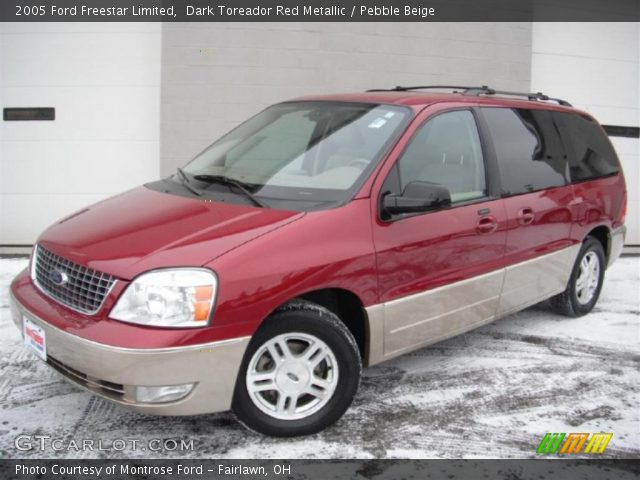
x=493, y=392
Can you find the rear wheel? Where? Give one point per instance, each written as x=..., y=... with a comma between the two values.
x=299, y=374
x=585, y=284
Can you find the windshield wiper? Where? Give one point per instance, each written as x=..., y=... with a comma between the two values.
x=185, y=182
x=233, y=183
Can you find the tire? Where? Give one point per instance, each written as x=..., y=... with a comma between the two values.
x=582, y=292
x=314, y=377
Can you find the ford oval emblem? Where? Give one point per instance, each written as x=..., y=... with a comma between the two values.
x=59, y=278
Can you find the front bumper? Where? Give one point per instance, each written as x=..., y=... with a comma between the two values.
x=114, y=373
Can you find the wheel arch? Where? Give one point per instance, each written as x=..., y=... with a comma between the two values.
x=602, y=233
x=347, y=306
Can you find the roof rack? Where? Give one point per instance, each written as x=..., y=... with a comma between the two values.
x=530, y=96
x=400, y=88
x=477, y=91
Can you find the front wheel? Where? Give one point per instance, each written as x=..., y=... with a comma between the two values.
x=585, y=283
x=299, y=374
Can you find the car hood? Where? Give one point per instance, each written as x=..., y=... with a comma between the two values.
x=143, y=229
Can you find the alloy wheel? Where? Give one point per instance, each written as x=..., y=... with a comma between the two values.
x=588, y=278
x=292, y=376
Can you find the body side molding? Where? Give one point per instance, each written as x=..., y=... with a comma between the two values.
x=421, y=319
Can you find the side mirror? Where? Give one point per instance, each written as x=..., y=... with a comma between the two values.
x=417, y=197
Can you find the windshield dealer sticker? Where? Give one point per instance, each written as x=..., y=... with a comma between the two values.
x=377, y=123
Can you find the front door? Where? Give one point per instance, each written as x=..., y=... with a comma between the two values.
x=440, y=272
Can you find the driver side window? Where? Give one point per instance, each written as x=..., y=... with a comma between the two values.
x=446, y=150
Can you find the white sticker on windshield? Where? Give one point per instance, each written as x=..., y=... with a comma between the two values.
x=389, y=114
x=377, y=123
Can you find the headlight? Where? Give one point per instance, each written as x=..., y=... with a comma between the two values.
x=179, y=298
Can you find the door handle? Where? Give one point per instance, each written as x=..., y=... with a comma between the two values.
x=526, y=216
x=486, y=225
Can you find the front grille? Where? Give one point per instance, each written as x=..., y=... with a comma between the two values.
x=73, y=285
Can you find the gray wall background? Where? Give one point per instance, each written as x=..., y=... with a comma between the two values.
x=143, y=98
x=215, y=75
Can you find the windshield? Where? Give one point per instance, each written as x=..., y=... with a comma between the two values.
x=299, y=155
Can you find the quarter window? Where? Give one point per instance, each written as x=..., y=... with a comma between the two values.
x=529, y=150
x=446, y=150
x=590, y=152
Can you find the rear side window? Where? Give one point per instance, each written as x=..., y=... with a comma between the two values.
x=590, y=152
x=529, y=149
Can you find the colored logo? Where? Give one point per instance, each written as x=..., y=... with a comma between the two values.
x=37, y=340
x=58, y=277
x=574, y=443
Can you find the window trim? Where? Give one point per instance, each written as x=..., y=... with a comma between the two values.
x=488, y=157
x=28, y=114
x=621, y=131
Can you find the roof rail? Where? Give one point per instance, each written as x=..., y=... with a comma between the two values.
x=400, y=88
x=477, y=91
x=537, y=96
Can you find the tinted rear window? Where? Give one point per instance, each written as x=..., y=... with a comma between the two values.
x=591, y=155
x=530, y=153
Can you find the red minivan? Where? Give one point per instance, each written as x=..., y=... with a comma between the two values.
x=324, y=234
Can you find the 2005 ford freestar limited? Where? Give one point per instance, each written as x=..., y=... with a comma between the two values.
x=324, y=234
